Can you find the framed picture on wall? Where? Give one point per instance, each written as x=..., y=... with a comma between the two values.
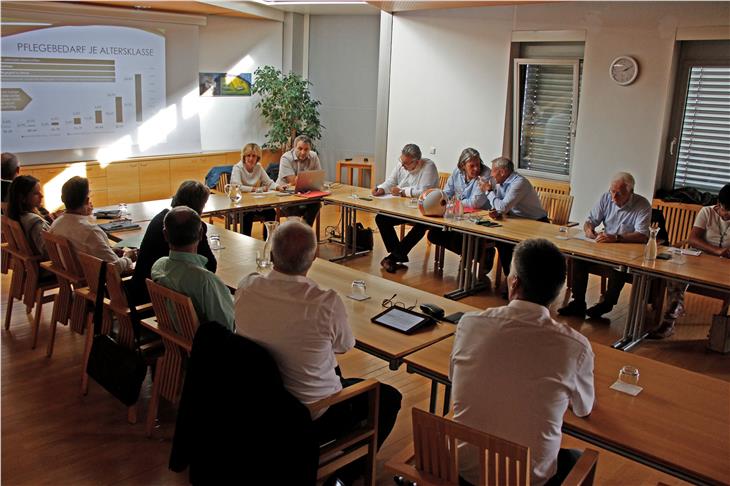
x=224, y=84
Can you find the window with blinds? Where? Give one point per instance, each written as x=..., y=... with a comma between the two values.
x=703, y=155
x=546, y=108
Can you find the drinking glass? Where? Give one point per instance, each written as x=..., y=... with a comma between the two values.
x=629, y=375
x=563, y=233
x=215, y=242
x=359, y=289
x=123, y=210
x=412, y=202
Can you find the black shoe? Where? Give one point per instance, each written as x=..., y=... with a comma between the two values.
x=599, y=309
x=574, y=308
x=505, y=295
x=389, y=265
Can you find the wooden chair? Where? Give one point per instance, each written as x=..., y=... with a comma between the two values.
x=222, y=181
x=92, y=268
x=679, y=218
x=557, y=206
x=362, y=442
x=127, y=319
x=65, y=265
x=27, y=265
x=432, y=458
x=549, y=186
x=17, y=278
x=177, y=322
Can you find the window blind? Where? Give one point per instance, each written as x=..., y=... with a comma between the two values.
x=546, y=118
x=703, y=159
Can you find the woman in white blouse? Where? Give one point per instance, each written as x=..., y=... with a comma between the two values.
x=250, y=176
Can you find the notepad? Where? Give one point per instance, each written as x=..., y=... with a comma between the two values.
x=313, y=194
x=119, y=226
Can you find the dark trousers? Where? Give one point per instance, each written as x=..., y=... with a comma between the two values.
x=581, y=269
x=398, y=250
x=307, y=211
x=249, y=217
x=452, y=241
x=505, y=251
x=343, y=417
x=566, y=460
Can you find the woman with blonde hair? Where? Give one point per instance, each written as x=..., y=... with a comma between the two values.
x=249, y=175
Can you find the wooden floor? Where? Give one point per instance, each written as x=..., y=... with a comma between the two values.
x=53, y=435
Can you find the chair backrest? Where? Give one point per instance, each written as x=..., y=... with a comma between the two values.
x=175, y=312
x=435, y=446
x=443, y=179
x=557, y=206
x=680, y=218
x=91, y=267
x=19, y=247
x=222, y=181
x=550, y=186
x=119, y=304
x=65, y=261
x=17, y=264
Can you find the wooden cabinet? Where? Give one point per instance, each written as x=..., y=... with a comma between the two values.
x=122, y=182
x=143, y=179
x=154, y=180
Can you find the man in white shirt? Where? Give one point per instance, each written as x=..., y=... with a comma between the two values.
x=299, y=159
x=515, y=370
x=410, y=178
x=711, y=234
x=303, y=327
x=85, y=236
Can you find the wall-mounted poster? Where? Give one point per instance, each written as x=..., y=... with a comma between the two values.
x=223, y=84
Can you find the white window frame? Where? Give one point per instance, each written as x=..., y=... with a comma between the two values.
x=517, y=113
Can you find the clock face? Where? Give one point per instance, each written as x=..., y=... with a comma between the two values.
x=623, y=70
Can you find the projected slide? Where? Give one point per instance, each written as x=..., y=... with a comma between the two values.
x=78, y=87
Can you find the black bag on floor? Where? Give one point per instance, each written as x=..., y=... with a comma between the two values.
x=364, y=237
x=118, y=369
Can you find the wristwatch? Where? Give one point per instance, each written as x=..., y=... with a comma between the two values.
x=402, y=193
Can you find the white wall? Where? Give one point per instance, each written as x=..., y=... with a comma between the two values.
x=448, y=82
x=450, y=70
x=236, y=45
x=343, y=70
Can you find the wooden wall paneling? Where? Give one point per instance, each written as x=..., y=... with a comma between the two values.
x=182, y=169
x=123, y=182
x=154, y=180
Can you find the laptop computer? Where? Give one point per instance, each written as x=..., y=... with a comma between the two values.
x=311, y=180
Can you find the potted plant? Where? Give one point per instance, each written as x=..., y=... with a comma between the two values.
x=287, y=106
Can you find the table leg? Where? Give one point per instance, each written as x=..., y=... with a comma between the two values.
x=466, y=280
x=633, y=330
x=447, y=399
x=432, y=399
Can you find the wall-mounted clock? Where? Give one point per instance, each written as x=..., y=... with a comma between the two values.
x=624, y=70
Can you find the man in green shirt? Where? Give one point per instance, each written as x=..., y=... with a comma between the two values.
x=184, y=270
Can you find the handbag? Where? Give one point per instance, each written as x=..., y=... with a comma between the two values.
x=364, y=237
x=117, y=368
x=719, y=335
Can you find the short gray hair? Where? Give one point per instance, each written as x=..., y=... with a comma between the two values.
x=503, y=162
x=466, y=155
x=412, y=150
x=293, y=247
x=303, y=138
x=626, y=178
x=541, y=269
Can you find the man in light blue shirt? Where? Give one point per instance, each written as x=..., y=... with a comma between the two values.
x=464, y=184
x=626, y=218
x=510, y=193
x=184, y=270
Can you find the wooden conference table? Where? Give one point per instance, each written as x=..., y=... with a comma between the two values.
x=679, y=423
x=706, y=270
x=237, y=258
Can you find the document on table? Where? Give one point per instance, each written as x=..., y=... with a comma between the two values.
x=582, y=236
x=386, y=196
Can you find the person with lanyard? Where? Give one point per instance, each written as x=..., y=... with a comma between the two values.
x=711, y=234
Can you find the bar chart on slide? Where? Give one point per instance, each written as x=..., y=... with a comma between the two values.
x=89, y=97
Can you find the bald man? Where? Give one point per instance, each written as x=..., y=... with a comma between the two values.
x=304, y=327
